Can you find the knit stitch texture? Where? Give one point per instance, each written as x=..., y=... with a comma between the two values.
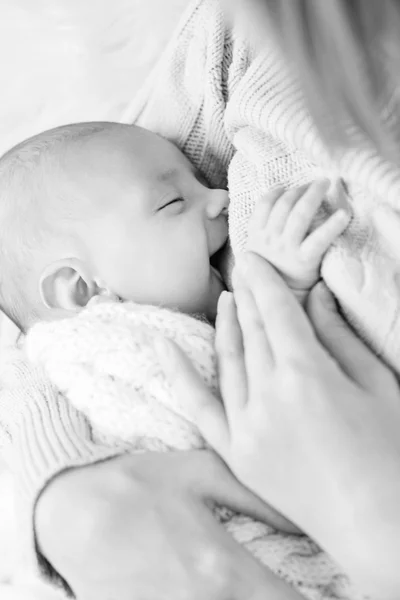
x=238, y=114
x=106, y=362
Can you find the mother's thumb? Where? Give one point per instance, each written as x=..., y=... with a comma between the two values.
x=323, y=313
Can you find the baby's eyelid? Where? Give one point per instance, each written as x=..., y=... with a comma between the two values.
x=170, y=202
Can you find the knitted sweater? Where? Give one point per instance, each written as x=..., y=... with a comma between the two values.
x=105, y=361
x=239, y=116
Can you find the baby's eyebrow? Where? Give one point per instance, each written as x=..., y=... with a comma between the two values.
x=167, y=175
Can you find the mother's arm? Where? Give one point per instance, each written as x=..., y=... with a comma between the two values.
x=122, y=526
x=310, y=427
x=141, y=527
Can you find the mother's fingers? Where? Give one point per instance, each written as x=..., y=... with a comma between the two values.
x=287, y=328
x=258, y=355
x=353, y=356
x=230, y=354
x=207, y=411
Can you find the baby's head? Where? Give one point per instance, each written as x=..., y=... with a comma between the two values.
x=96, y=207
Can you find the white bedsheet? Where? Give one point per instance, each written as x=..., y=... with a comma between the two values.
x=65, y=61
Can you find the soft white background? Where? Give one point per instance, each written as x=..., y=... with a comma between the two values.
x=63, y=61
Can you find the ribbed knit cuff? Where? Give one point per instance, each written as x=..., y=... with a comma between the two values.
x=45, y=436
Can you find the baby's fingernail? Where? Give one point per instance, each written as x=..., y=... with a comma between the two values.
x=324, y=182
x=343, y=215
x=321, y=184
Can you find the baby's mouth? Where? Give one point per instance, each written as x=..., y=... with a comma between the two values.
x=217, y=273
x=215, y=259
x=215, y=262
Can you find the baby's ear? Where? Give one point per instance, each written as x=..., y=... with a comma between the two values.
x=67, y=285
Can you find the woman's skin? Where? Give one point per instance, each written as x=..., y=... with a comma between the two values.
x=310, y=422
x=111, y=529
x=141, y=528
x=109, y=516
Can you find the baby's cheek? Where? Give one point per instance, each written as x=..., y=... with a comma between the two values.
x=185, y=288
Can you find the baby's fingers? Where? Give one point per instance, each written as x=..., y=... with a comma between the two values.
x=263, y=208
x=320, y=240
x=301, y=217
x=282, y=208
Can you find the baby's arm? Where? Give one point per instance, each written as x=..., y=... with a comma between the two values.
x=280, y=231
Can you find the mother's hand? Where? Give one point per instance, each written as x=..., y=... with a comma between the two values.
x=314, y=432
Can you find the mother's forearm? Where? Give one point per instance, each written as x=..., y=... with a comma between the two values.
x=140, y=527
x=375, y=560
x=41, y=437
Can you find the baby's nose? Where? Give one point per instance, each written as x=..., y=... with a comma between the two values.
x=217, y=204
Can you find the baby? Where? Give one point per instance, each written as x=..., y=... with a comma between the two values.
x=114, y=213
x=105, y=208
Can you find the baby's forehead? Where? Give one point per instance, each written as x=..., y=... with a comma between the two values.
x=130, y=152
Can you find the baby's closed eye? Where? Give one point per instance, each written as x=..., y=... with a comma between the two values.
x=175, y=203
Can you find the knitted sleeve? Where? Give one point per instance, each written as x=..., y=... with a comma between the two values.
x=185, y=97
x=41, y=435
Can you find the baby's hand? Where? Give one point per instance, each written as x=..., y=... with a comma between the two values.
x=279, y=230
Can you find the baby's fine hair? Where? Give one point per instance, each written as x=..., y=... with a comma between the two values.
x=347, y=56
x=33, y=204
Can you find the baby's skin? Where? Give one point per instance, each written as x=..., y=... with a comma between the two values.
x=281, y=231
x=115, y=209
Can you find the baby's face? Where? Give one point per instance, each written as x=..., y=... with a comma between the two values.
x=158, y=223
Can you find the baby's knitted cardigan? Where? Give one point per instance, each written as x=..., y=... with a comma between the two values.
x=235, y=110
x=105, y=362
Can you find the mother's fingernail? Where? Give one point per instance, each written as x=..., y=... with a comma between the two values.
x=224, y=302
